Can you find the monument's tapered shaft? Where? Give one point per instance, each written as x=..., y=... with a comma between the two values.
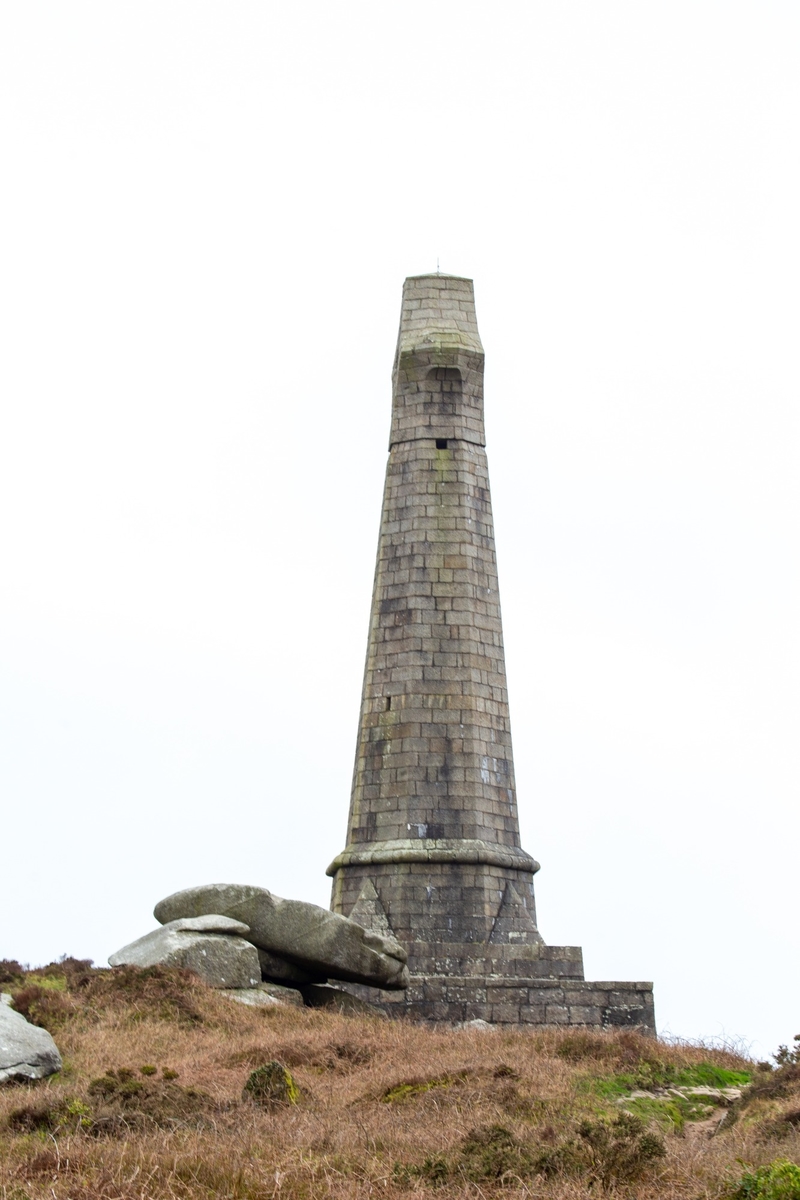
x=433, y=787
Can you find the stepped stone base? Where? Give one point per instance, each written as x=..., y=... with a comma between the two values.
x=534, y=985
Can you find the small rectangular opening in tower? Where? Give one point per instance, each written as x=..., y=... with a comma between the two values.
x=441, y=443
x=388, y=703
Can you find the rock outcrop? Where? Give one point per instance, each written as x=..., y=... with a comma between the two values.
x=26, y=1051
x=213, y=946
x=337, y=1000
x=267, y=995
x=321, y=943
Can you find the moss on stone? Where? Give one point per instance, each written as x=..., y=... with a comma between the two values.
x=272, y=1084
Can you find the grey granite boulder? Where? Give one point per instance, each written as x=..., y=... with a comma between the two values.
x=319, y=941
x=212, y=946
x=26, y=1051
x=267, y=995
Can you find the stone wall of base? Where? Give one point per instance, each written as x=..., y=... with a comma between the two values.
x=519, y=1001
x=472, y=960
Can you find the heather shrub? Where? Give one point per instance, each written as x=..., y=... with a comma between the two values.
x=621, y=1150
x=785, y=1057
x=610, y=1153
x=10, y=971
x=779, y=1180
x=165, y=993
x=47, y=1007
x=493, y=1152
x=122, y=1100
x=76, y=972
x=49, y=1115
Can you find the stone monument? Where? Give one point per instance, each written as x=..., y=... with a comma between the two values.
x=433, y=855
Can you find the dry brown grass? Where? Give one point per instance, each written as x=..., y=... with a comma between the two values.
x=357, y=1131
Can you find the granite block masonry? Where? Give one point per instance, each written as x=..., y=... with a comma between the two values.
x=433, y=855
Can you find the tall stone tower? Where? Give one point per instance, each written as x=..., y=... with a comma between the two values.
x=433, y=852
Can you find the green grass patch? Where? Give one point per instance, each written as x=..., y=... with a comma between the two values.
x=55, y=983
x=417, y=1087
x=650, y=1076
x=671, y=1112
x=709, y=1075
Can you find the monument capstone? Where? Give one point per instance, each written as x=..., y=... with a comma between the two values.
x=433, y=856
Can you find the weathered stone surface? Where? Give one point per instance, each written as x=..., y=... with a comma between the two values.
x=266, y=995
x=212, y=923
x=252, y=997
x=338, y=1000
x=313, y=938
x=220, y=959
x=515, y=1000
x=513, y=923
x=26, y=1052
x=369, y=912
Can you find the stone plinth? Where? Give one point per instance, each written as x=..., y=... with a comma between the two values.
x=521, y=1000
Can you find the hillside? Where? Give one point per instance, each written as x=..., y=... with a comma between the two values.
x=150, y=1104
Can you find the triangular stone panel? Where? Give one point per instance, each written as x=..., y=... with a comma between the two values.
x=513, y=923
x=369, y=912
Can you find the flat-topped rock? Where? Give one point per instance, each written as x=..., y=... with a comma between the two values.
x=211, y=923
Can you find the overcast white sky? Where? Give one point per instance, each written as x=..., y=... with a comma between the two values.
x=206, y=215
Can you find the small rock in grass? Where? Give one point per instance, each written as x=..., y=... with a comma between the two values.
x=272, y=1084
x=266, y=995
x=337, y=999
